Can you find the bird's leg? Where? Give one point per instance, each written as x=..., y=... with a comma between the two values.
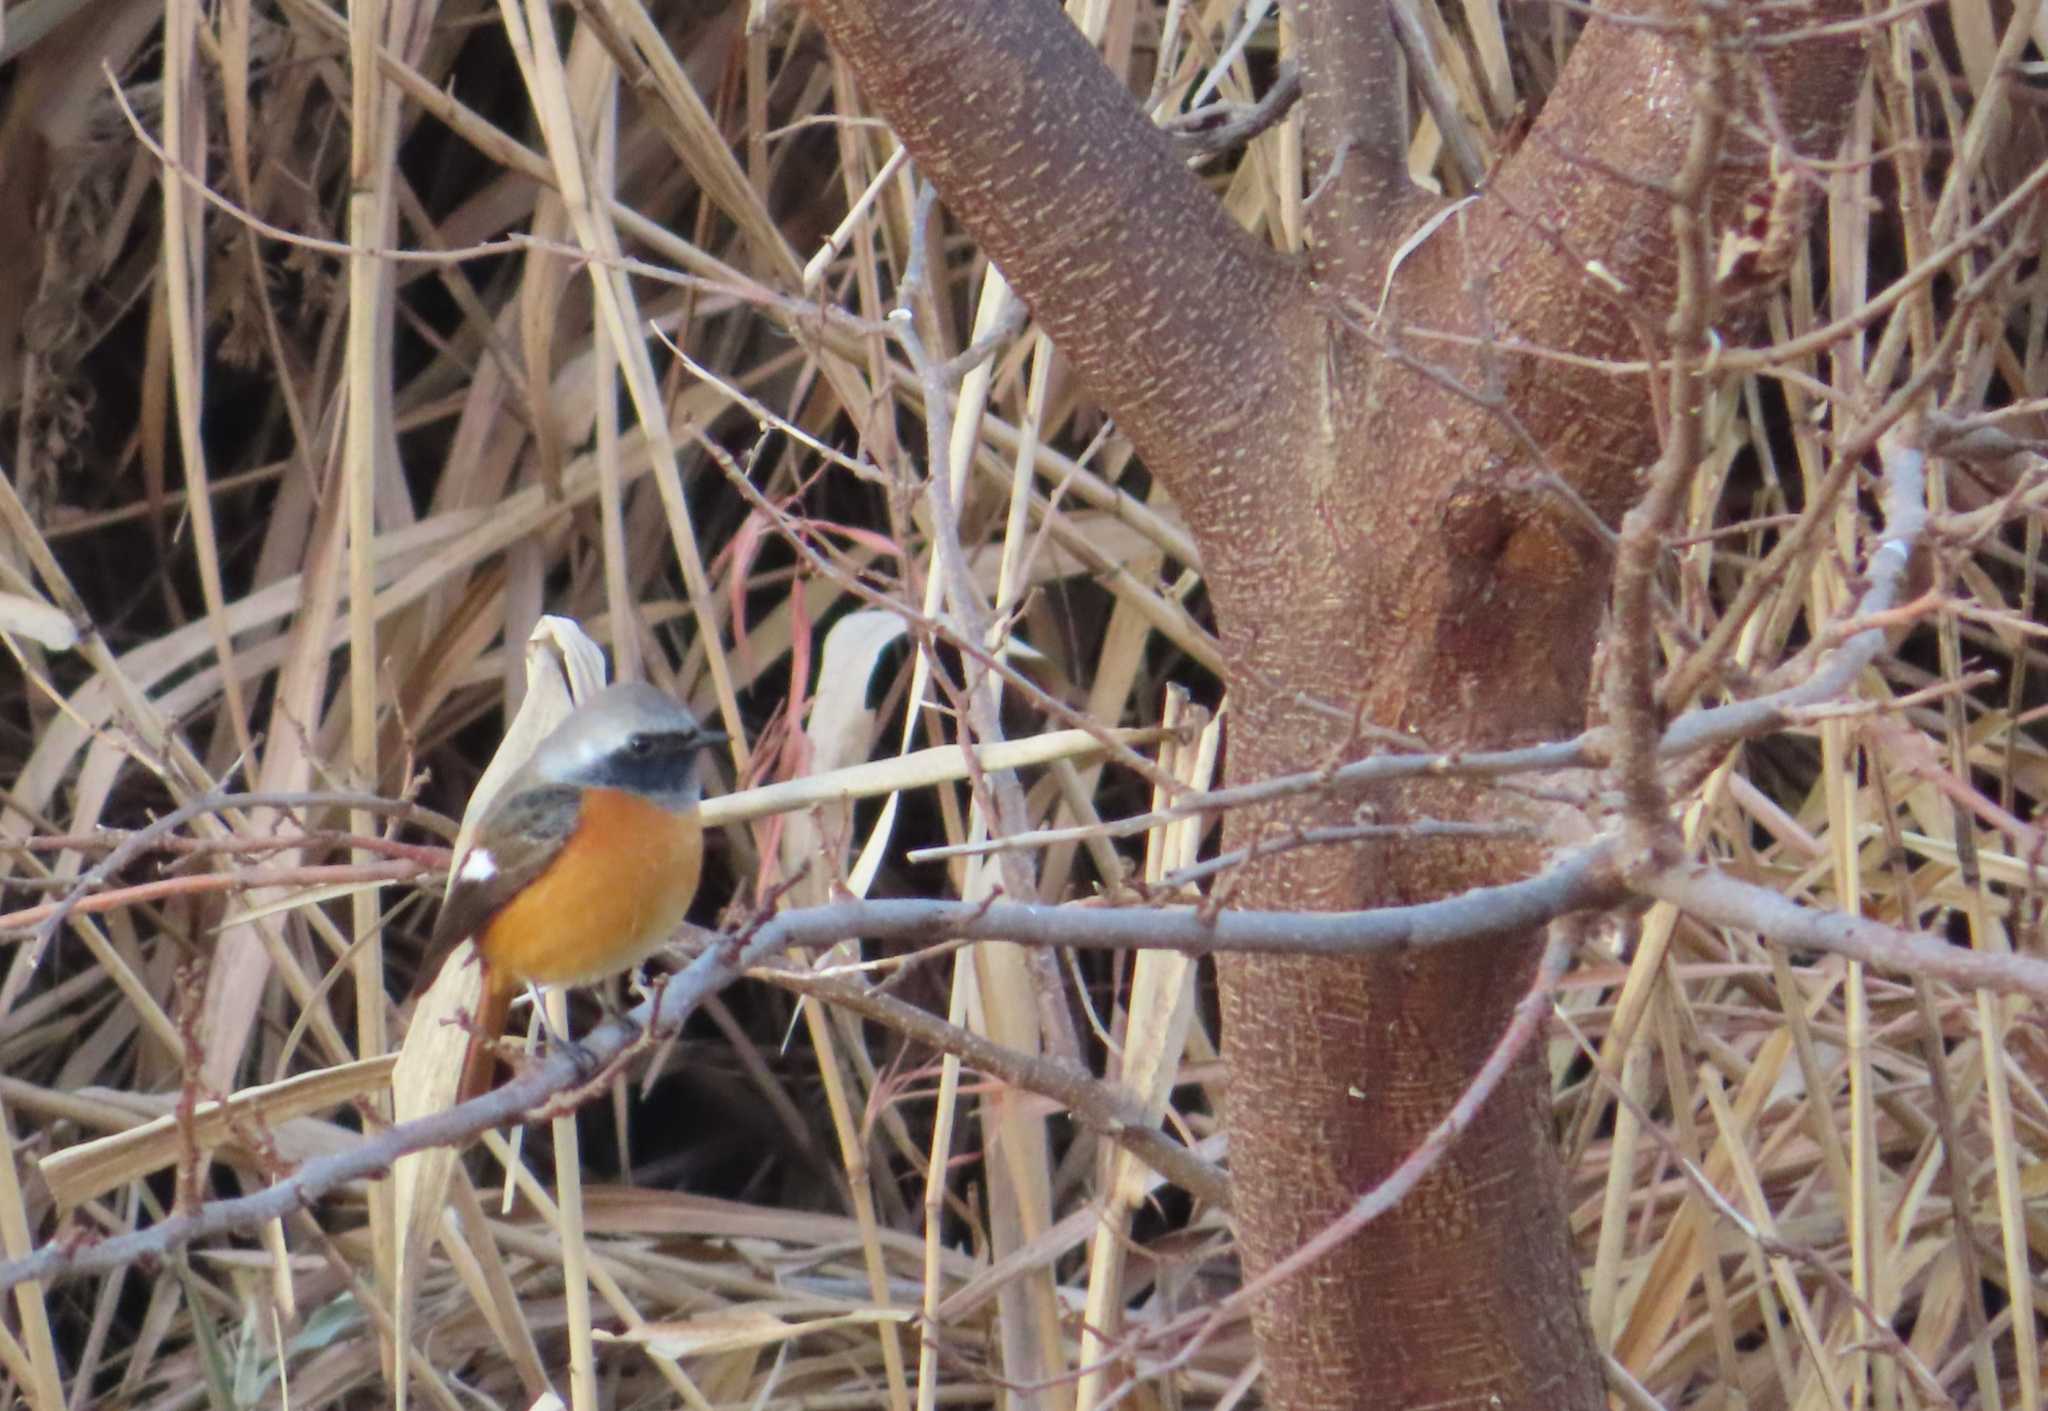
x=585, y=1060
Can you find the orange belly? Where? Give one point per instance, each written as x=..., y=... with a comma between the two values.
x=617, y=890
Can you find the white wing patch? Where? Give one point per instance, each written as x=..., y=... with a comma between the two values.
x=479, y=866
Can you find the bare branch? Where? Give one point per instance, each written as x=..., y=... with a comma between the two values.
x=1631, y=687
x=1356, y=131
x=1335, y=836
x=1489, y=764
x=1109, y=1109
x=1905, y=517
x=1224, y=127
x=1580, y=882
x=1712, y=895
x=1583, y=881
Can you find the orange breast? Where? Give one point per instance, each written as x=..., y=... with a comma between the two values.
x=617, y=890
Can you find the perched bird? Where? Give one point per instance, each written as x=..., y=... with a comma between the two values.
x=586, y=863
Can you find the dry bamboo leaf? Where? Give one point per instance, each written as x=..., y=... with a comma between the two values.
x=919, y=769
x=563, y=666
x=738, y=1329
x=1160, y=1013
x=43, y=1380
x=90, y=1169
x=36, y=620
x=840, y=729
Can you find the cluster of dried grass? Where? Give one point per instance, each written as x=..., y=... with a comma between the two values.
x=309, y=503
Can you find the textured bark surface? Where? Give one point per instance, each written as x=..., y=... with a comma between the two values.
x=1371, y=538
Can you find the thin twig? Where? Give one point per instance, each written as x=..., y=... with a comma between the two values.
x=1225, y=127
x=1427, y=71
x=1104, y=1106
x=142, y=839
x=1630, y=693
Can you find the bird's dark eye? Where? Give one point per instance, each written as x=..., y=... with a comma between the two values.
x=640, y=746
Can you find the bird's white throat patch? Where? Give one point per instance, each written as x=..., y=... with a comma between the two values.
x=479, y=866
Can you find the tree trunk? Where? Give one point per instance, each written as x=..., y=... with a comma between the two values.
x=1394, y=528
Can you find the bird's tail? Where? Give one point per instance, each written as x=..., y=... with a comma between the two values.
x=480, y=1060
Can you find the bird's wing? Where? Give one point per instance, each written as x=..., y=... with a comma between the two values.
x=516, y=842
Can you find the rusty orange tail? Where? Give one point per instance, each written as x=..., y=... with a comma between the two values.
x=480, y=1060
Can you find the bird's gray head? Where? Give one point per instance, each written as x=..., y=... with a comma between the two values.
x=630, y=737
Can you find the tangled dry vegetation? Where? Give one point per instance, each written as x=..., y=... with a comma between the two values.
x=630, y=360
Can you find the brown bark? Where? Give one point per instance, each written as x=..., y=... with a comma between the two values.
x=1375, y=540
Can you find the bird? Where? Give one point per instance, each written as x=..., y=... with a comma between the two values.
x=585, y=864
